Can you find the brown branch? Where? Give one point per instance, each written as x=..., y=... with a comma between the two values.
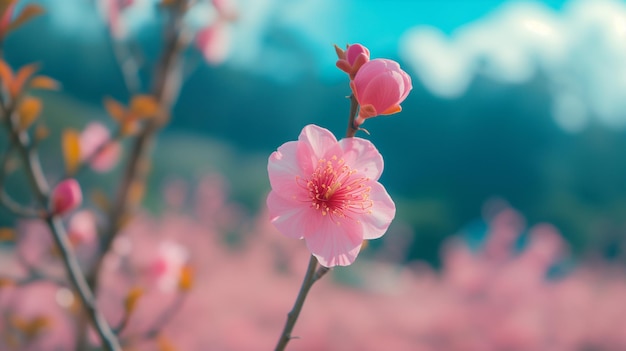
x=165, y=89
x=41, y=189
x=292, y=316
x=352, y=129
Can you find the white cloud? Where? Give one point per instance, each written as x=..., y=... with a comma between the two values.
x=581, y=51
x=271, y=34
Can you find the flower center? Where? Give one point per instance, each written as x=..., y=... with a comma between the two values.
x=336, y=190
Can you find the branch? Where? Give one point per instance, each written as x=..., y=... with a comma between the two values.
x=292, y=316
x=40, y=187
x=165, y=88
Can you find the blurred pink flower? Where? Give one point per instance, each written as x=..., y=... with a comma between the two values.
x=355, y=56
x=166, y=267
x=66, y=196
x=6, y=19
x=326, y=191
x=226, y=9
x=214, y=42
x=380, y=86
x=112, y=10
x=92, y=139
x=82, y=228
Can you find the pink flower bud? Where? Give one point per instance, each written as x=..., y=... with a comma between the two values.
x=380, y=86
x=66, y=196
x=352, y=59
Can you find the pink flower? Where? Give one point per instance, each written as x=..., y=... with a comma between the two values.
x=66, y=196
x=5, y=20
x=113, y=10
x=326, y=191
x=226, y=9
x=91, y=139
x=82, y=228
x=380, y=86
x=352, y=59
x=166, y=268
x=214, y=42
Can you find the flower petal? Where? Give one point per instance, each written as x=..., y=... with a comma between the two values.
x=283, y=167
x=317, y=141
x=335, y=244
x=384, y=91
x=382, y=213
x=290, y=217
x=361, y=155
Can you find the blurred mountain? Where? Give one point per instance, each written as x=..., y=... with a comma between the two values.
x=443, y=158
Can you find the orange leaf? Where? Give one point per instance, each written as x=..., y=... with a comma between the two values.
x=4, y=282
x=21, y=77
x=29, y=11
x=29, y=110
x=131, y=299
x=44, y=82
x=6, y=74
x=115, y=109
x=129, y=127
x=144, y=106
x=164, y=345
x=71, y=150
x=7, y=234
x=185, y=282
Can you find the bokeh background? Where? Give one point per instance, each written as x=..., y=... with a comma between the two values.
x=516, y=102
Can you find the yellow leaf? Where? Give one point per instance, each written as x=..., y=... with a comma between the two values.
x=44, y=82
x=185, y=282
x=7, y=234
x=29, y=11
x=6, y=74
x=131, y=299
x=21, y=77
x=71, y=150
x=115, y=109
x=29, y=110
x=144, y=106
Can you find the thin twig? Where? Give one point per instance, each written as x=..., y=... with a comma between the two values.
x=352, y=129
x=17, y=209
x=164, y=90
x=292, y=316
x=166, y=316
x=40, y=187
